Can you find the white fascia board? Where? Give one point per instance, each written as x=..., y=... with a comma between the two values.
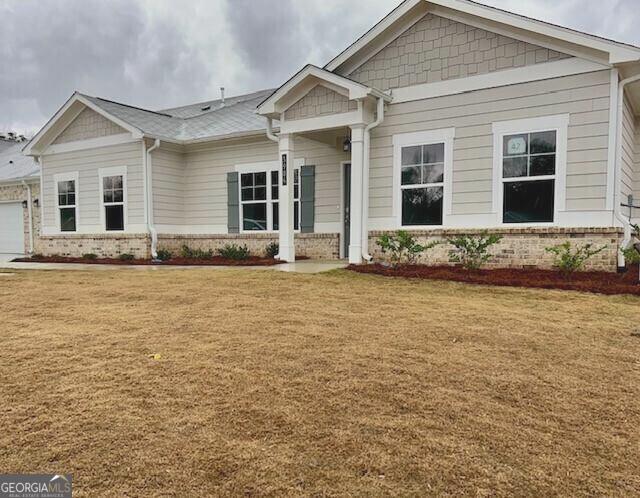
x=373, y=33
x=355, y=90
x=544, y=71
x=322, y=122
x=618, y=52
x=30, y=148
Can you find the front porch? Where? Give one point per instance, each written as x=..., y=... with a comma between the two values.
x=323, y=106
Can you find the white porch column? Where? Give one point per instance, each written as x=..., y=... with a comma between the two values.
x=285, y=202
x=357, y=164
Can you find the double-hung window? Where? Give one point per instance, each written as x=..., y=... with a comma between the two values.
x=422, y=175
x=66, y=193
x=259, y=200
x=113, y=198
x=530, y=166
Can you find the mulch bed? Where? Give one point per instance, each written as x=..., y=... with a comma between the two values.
x=592, y=281
x=177, y=261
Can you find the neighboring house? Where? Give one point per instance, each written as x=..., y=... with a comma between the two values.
x=447, y=117
x=19, y=191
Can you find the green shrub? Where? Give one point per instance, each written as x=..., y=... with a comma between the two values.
x=90, y=256
x=631, y=256
x=472, y=252
x=272, y=250
x=569, y=261
x=232, y=251
x=402, y=247
x=126, y=257
x=188, y=253
x=164, y=255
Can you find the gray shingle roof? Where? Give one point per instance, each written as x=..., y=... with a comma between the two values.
x=14, y=165
x=192, y=122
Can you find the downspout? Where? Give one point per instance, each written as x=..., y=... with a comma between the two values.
x=365, y=180
x=149, y=176
x=617, y=208
x=274, y=138
x=29, y=214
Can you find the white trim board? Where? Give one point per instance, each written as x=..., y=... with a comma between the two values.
x=537, y=72
x=92, y=143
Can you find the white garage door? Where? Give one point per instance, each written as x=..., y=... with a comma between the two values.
x=11, y=228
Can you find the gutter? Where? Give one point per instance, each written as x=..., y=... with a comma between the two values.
x=30, y=214
x=617, y=208
x=148, y=167
x=365, y=179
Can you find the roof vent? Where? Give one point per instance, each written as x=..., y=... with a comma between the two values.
x=222, y=94
x=206, y=108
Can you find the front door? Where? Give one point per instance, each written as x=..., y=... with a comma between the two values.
x=346, y=215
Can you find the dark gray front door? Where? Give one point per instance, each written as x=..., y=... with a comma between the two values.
x=346, y=202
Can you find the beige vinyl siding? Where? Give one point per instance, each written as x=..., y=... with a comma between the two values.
x=205, y=198
x=320, y=101
x=87, y=163
x=168, y=185
x=584, y=97
x=628, y=151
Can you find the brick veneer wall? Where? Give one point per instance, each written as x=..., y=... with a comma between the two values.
x=521, y=248
x=19, y=193
x=438, y=49
x=312, y=245
x=103, y=245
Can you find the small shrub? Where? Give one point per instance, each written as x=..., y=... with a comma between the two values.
x=569, y=261
x=272, y=250
x=631, y=256
x=402, y=247
x=188, y=253
x=90, y=256
x=472, y=252
x=164, y=255
x=126, y=257
x=234, y=252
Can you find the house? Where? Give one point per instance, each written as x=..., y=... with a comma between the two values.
x=446, y=117
x=19, y=190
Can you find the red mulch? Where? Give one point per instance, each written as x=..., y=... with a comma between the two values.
x=177, y=261
x=592, y=281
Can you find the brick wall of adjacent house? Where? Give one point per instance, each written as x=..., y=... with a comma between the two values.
x=438, y=49
x=89, y=124
x=320, y=101
x=521, y=248
x=311, y=245
x=19, y=192
x=103, y=245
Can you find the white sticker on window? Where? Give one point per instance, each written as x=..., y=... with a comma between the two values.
x=516, y=145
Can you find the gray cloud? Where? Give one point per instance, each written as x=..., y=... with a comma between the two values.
x=152, y=54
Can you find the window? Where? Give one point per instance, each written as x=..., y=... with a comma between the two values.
x=422, y=184
x=422, y=177
x=113, y=202
x=113, y=198
x=67, y=215
x=530, y=162
x=259, y=195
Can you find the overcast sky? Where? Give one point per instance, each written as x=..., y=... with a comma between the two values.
x=164, y=53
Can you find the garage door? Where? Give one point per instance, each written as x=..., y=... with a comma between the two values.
x=11, y=228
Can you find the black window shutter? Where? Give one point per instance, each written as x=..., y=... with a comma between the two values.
x=233, y=203
x=307, y=198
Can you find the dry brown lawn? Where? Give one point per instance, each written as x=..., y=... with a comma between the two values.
x=340, y=384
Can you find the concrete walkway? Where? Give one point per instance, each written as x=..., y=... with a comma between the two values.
x=307, y=266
